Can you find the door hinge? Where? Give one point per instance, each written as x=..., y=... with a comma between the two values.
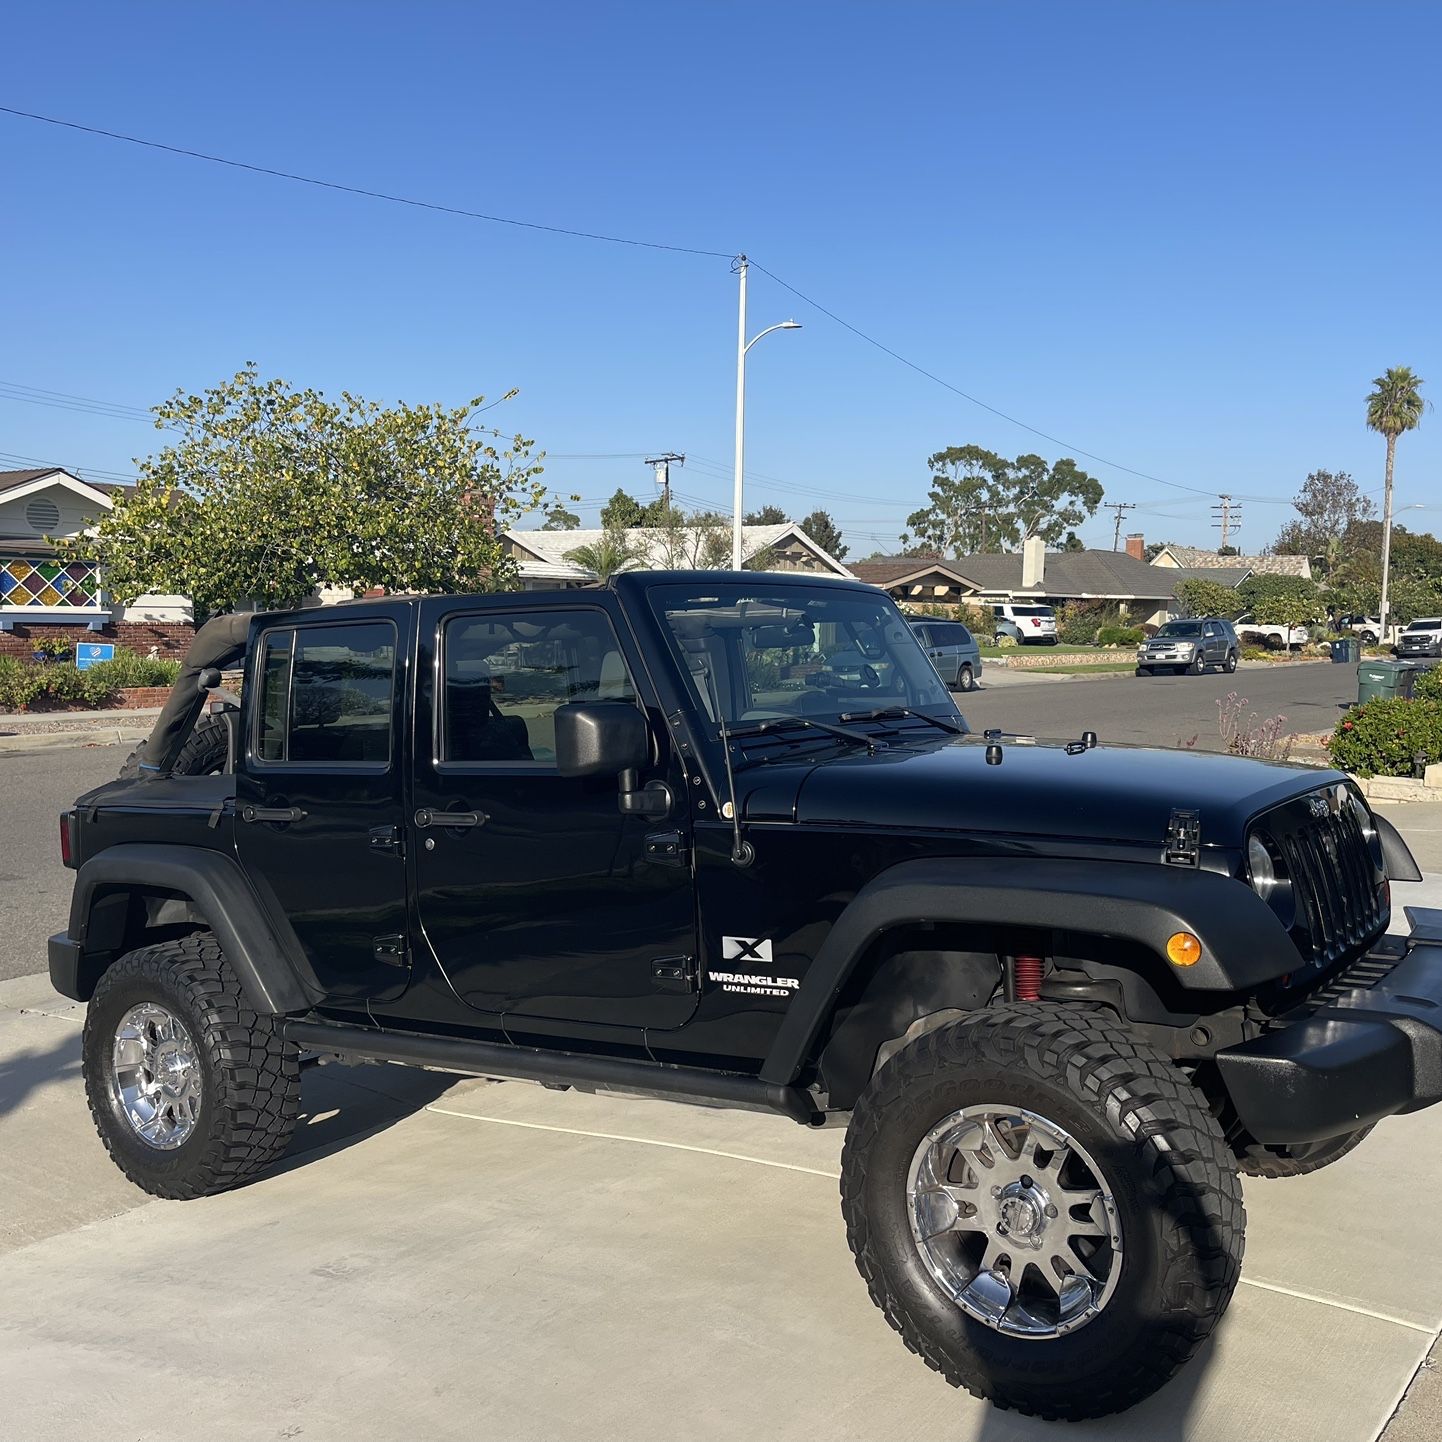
x=391, y=950
x=385, y=838
x=676, y=973
x=1184, y=839
x=666, y=848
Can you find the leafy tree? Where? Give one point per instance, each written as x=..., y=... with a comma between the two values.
x=1154, y=550
x=1328, y=506
x=268, y=491
x=1228, y=551
x=1196, y=596
x=1073, y=542
x=626, y=511
x=980, y=501
x=613, y=551
x=766, y=516
x=558, y=518
x=1393, y=407
x=700, y=541
x=1281, y=600
x=826, y=533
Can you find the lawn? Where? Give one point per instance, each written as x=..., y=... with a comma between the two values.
x=1058, y=650
x=1099, y=668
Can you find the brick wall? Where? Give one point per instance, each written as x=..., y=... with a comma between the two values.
x=172, y=637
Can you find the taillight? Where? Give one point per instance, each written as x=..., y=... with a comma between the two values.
x=1035, y=622
x=67, y=837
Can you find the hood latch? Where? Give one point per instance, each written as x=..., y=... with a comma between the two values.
x=1184, y=839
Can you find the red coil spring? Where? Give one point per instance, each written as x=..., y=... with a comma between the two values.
x=1026, y=977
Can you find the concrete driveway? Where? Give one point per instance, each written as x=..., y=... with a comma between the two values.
x=468, y=1259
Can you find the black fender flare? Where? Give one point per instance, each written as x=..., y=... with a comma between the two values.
x=1243, y=942
x=265, y=957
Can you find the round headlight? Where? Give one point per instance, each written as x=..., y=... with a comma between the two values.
x=1259, y=863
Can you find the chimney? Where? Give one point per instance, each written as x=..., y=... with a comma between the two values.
x=1033, y=562
x=1137, y=546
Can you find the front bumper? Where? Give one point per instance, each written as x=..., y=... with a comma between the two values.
x=1366, y=1046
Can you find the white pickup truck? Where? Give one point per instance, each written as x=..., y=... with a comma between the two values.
x=1273, y=637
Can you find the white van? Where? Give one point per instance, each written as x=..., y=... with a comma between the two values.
x=1035, y=625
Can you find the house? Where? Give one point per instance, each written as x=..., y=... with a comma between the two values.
x=544, y=556
x=45, y=598
x=1145, y=593
x=1192, y=558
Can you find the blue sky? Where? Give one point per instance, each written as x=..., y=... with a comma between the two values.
x=1182, y=237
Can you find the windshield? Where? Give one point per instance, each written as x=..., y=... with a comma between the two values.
x=1190, y=629
x=1425, y=626
x=785, y=651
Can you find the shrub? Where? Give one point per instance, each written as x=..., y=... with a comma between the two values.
x=128, y=669
x=19, y=683
x=1120, y=636
x=1428, y=685
x=1383, y=737
x=1005, y=641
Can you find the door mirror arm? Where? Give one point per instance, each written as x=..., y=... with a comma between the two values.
x=652, y=799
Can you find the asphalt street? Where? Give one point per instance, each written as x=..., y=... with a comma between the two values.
x=35, y=787
x=1160, y=710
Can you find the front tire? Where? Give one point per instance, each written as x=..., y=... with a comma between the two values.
x=1197, y=666
x=1144, y=670
x=1121, y=1282
x=192, y=1092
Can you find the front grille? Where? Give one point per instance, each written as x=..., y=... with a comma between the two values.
x=1334, y=880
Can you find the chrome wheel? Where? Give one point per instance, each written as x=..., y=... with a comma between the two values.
x=1014, y=1221
x=156, y=1074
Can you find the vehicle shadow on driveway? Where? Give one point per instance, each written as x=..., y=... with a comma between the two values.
x=25, y=1072
x=343, y=1105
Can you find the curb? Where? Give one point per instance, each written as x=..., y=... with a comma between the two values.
x=1397, y=788
x=91, y=736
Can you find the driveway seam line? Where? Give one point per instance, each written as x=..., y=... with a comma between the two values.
x=836, y=1176
x=641, y=1141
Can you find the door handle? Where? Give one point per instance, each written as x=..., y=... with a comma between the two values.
x=450, y=820
x=281, y=814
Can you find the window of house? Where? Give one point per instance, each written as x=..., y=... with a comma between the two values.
x=326, y=694
x=506, y=673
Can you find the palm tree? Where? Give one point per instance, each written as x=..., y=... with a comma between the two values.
x=615, y=550
x=1393, y=407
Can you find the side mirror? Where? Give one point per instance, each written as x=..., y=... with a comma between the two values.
x=600, y=738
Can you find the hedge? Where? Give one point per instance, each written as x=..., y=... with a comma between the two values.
x=1384, y=737
x=56, y=683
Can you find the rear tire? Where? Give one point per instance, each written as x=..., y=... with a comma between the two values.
x=1230, y=664
x=1168, y=1187
x=192, y=1092
x=965, y=680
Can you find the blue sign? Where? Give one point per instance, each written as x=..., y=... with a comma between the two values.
x=87, y=654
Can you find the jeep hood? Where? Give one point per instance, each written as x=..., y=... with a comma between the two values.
x=1108, y=793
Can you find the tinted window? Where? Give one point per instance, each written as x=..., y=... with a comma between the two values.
x=326, y=694
x=1031, y=611
x=951, y=634
x=795, y=652
x=507, y=672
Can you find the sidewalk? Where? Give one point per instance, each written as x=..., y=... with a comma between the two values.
x=442, y=1259
x=38, y=730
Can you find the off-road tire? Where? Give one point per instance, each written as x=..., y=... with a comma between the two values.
x=250, y=1078
x=205, y=752
x=1256, y=1160
x=1178, y=1199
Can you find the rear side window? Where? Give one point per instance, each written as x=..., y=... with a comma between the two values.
x=505, y=674
x=1031, y=611
x=951, y=634
x=326, y=694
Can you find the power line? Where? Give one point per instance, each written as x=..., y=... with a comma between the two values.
x=1230, y=513
x=357, y=189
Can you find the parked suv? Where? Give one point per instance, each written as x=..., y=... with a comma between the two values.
x=725, y=838
x=1190, y=646
x=953, y=651
x=1026, y=625
x=1421, y=638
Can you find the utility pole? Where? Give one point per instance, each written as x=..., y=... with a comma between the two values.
x=1230, y=512
x=1121, y=508
x=740, y=267
x=662, y=466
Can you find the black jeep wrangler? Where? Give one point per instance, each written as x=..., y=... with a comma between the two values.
x=725, y=838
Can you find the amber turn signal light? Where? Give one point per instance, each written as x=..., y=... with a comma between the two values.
x=1183, y=949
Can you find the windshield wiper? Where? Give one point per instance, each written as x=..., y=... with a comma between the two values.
x=778, y=723
x=892, y=713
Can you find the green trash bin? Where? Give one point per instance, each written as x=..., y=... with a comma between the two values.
x=1385, y=678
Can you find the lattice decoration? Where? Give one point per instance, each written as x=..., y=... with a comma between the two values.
x=27, y=582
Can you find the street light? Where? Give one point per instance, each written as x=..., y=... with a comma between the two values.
x=742, y=346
